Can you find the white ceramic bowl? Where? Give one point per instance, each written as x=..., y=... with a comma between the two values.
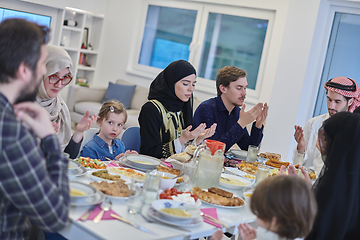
x=229, y=185
x=73, y=167
x=165, y=203
x=166, y=183
x=89, y=191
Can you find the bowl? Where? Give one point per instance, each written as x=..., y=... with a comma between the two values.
x=236, y=182
x=142, y=161
x=160, y=205
x=73, y=167
x=84, y=190
x=166, y=183
x=247, y=195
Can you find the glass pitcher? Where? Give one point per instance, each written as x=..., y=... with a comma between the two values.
x=211, y=161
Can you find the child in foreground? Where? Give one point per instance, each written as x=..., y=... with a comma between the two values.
x=285, y=208
x=111, y=119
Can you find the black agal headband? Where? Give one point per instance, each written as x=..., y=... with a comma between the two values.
x=349, y=88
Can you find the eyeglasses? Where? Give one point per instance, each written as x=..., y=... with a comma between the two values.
x=54, y=79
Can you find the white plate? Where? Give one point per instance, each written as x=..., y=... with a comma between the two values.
x=224, y=184
x=238, y=172
x=123, y=162
x=157, y=205
x=98, y=179
x=96, y=199
x=142, y=161
x=79, y=172
x=221, y=206
x=73, y=167
x=126, y=177
x=195, y=222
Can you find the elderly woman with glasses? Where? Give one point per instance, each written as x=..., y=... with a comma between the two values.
x=59, y=74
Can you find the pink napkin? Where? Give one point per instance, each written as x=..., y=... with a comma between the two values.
x=106, y=215
x=112, y=164
x=213, y=213
x=167, y=164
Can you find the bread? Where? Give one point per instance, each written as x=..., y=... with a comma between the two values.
x=171, y=171
x=220, y=192
x=182, y=157
x=216, y=199
x=190, y=149
x=271, y=156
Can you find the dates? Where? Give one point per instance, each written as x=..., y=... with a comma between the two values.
x=230, y=163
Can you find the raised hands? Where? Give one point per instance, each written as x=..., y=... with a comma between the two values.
x=126, y=152
x=35, y=117
x=258, y=112
x=206, y=134
x=187, y=135
x=299, y=137
x=84, y=124
x=246, y=232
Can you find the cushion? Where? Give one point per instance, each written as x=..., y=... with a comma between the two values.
x=120, y=92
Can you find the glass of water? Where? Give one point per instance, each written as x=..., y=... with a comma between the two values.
x=252, y=153
x=135, y=200
x=151, y=187
x=261, y=174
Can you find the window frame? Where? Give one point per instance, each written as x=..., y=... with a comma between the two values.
x=196, y=46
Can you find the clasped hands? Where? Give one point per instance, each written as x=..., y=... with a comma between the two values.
x=200, y=133
x=258, y=113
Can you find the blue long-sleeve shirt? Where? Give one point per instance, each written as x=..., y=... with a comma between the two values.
x=228, y=130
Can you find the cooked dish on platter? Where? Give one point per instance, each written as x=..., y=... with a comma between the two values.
x=270, y=156
x=116, y=189
x=248, y=167
x=128, y=172
x=276, y=171
x=91, y=163
x=106, y=175
x=218, y=196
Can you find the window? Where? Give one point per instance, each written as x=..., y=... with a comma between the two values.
x=208, y=36
x=342, y=57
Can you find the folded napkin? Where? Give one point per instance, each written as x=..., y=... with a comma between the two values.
x=213, y=213
x=167, y=164
x=106, y=215
x=112, y=164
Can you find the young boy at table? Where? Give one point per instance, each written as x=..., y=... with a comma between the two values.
x=285, y=208
x=104, y=145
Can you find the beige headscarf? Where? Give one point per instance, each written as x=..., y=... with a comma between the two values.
x=58, y=59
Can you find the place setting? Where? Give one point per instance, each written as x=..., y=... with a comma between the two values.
x=75, y=169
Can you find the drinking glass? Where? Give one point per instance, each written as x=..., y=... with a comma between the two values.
x=190, y=172
x=261, y=174
x=252, y=153
x=151, y=187
x=135, y=200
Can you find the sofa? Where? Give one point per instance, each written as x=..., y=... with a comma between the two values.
x=80, y=99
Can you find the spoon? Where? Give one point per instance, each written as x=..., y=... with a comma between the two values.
x=105, y=206
x=178, y=175
x=226, y=179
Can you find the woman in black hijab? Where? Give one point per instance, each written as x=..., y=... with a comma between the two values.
x=337, y=190
x=166, y=119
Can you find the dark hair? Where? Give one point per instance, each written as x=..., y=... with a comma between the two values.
x=20, y=42
x=226, y=75
x=290, y=200
x=117, y=107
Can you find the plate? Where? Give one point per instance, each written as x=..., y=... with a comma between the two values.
x=238, y=172
x=114, y=171
x=142, y=161
x=225, y=184
x=128, y=165
x=195, y=222
x=241, y=154
x=73, y=167
x=99, y=179
x=96, y=199
x=88, y=190
x=79, y=172
x=157, y=205
x=221, y=206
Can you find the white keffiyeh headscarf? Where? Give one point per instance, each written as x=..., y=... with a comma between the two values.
x=57, y=60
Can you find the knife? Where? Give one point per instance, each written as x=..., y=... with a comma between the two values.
x=132, y=224
x=87, y=214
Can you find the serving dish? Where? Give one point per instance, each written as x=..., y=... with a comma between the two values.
x=142, y=161
x=85, y=190
x=128, y=173
x=195, y=222
x=232, y=183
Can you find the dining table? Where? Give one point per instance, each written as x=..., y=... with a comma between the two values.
x=115, y=229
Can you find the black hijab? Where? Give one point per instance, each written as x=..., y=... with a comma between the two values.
x=163, y=89
x=338, y=189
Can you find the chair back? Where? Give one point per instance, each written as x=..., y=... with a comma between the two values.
x=88, y=135
x=131, y=138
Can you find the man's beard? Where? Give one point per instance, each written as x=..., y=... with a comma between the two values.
x=27, y=95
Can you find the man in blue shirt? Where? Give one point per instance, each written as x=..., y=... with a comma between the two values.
x=225, y=110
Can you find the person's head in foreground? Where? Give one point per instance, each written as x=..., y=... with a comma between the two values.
x=22, y=56
x=284, y=205
x=342, y=95
x=231, y=84
x=337, y=189
x=111, y=119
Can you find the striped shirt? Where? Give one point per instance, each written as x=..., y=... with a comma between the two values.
x=33, y=179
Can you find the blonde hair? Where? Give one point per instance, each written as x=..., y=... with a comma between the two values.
x=111, y=106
